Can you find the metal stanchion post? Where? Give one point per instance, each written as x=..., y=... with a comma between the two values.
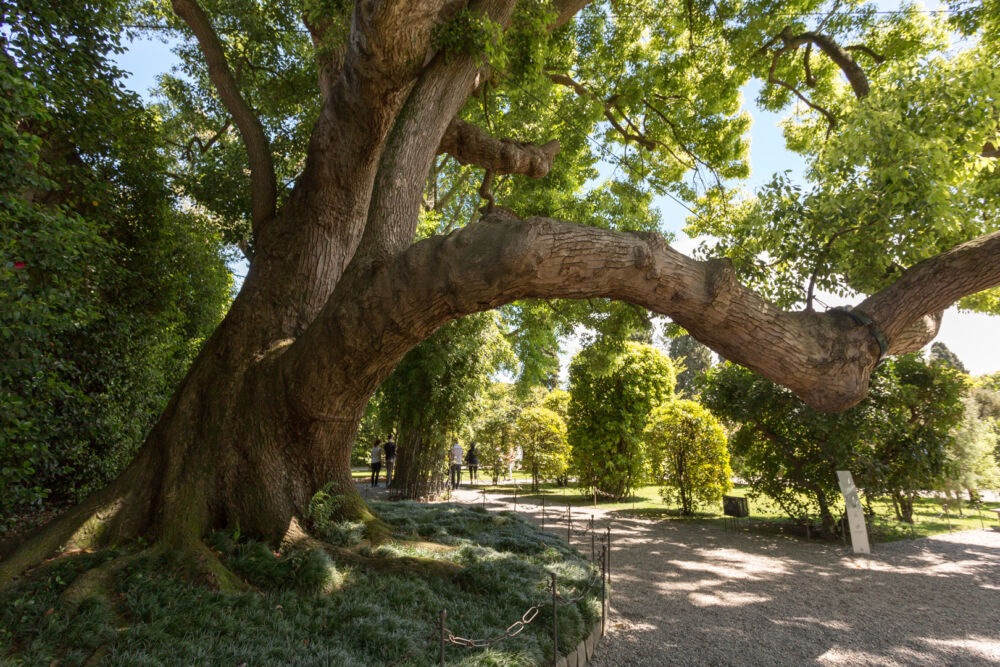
x=484, y=498
x=609, y=564
x=604, y=570
x=569, y=522
x=443, y=614
x=593, y=544
x=555, y=623
x=543, y=512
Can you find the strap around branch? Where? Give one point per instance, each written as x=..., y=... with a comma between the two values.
x=863, y=319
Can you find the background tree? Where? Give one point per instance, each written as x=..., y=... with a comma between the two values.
x=557, y=401
x=339, y=170
x=940, y=352
x=430, y=399
x=972, y=467
x=494, y=431
x=789, y=451
x=541, y=435
x=895, y=441
x=688, y=454
x=693, y=359
x=107, y=289
x=611, y=396
x=918, y=407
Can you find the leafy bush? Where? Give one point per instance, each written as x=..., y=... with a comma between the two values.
x=688, y=454
x=610, y=400
x=541, y=435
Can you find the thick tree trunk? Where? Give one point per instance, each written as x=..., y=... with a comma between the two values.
x=337, y=293
x=419, y=473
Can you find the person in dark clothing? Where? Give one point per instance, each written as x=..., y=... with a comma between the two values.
x=472, y=459
x=390, y=459
x=376, y=461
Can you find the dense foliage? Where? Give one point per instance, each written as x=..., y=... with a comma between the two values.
x=541, y=435
x=107, y=288
x=610, y=401
x=895, y=442
x=430, y=398
x=686, y=447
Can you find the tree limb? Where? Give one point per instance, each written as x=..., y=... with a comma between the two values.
x=931, y=286
x=825, y=358
x=855, y=75
x=469, y=144
x=263, y=185
x=771, y=78
x=607, y=106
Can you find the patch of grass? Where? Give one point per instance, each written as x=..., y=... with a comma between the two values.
x=930, y=516
x=307, y=609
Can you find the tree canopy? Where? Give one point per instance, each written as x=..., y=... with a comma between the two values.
x=389, y=167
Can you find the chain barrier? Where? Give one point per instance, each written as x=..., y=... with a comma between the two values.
x=600, y=573
x=514, y=630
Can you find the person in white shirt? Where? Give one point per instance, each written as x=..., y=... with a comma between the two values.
x=456, y=465
x=376, y=461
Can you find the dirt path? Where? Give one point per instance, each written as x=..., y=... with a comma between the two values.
x=690, y=594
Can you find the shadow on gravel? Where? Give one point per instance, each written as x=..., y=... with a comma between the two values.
x=690, y=594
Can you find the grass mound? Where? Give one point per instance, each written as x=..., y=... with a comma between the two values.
x=307, y=609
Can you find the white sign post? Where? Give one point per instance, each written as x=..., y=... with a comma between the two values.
x=855, y=515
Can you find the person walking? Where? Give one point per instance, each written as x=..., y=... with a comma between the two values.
x=472, y=459
x=390, y=459
x=376, y=461
x=456, y=465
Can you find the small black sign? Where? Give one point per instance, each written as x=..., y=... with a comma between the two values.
x=735, y=506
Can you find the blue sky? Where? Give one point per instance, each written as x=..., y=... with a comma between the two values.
x=974, y=338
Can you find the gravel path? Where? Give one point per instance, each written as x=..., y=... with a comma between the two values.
x=690, y=594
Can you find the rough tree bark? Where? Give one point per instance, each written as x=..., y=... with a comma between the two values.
x=337, y=292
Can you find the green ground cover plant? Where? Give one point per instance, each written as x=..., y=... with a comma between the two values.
x=307, y=608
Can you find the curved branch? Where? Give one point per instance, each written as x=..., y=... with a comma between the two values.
x=263, y=185
x=469, y=144
x=841, y=58
x=607, y=106
x=826, y=358
x=931, y=286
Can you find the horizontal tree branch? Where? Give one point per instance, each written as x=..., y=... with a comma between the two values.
x=469, y=144
x=825, y=358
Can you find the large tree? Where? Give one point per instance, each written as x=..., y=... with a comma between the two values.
x=333, y=185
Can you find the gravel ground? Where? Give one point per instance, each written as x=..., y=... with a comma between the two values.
x=690, y=594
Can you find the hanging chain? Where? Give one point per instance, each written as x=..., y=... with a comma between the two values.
x=514, y=630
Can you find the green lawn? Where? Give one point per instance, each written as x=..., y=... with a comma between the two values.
x=930, y=516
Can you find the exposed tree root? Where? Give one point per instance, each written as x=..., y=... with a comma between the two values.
x=300, y=539
x=97, y=582
x=77, y=528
